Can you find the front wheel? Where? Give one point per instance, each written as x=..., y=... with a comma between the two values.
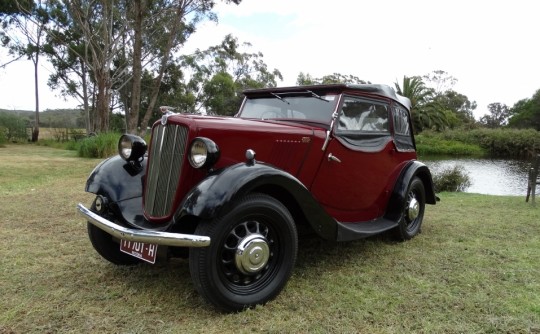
x=412, y=213
x=251, y=256
x=107, y=247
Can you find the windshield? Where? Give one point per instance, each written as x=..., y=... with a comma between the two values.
x=312, y=108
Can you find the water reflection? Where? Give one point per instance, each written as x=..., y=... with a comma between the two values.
x=488, y=176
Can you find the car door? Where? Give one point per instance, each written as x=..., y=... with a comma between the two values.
x=360, y=162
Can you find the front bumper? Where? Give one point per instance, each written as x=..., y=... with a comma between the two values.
x=147, y=236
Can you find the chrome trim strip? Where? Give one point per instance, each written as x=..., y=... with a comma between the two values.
x=152, y=237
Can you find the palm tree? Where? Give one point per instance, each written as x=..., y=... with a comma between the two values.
x=424, y=112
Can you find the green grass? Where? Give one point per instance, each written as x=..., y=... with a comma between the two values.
x=474, y=269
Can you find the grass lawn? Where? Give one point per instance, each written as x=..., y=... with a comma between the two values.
x=474, y=269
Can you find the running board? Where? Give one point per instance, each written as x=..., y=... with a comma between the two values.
x=353, y=231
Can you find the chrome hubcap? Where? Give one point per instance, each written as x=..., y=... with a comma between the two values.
x=414, y=209
x=252, y=254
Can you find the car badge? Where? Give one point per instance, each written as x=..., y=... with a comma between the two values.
x=164, y=119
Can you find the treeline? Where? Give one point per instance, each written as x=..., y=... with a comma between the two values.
x=437, y=107
x=16, y=125
x=50, y=118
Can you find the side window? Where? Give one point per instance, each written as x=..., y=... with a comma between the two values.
x=363, y=116
x=402, y=129
x=401, y=121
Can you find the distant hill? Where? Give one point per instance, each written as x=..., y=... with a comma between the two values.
x=52, y=118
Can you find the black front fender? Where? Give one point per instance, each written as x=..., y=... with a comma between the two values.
x=116, y=179
x=219, y=192
x=122, y=184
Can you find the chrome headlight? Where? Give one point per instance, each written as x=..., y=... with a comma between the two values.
x=203, y=153
x=131, y=147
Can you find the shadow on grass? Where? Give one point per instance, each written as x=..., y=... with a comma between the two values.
x=168, y=282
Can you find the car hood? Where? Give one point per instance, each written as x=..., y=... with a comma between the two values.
x=239, y=124
x=282, y=144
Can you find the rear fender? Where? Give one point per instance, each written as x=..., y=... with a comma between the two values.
x=398, y=197
x=219, y=192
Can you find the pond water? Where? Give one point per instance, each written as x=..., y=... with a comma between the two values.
x=488, y=176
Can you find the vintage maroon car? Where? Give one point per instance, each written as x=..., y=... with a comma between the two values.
x=337, y=159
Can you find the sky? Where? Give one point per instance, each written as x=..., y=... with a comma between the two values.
x=492, y=47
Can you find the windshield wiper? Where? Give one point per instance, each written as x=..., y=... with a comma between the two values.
x=317, y=96
x=279, y=97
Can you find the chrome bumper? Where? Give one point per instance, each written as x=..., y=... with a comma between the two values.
x=148, y=236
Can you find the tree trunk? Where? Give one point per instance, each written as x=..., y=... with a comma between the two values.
x=133, y=119
x=164, y=61
x=103, y=97
x=85, y=97
x=35, y=130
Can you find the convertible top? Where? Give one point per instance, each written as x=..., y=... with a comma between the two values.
x=377, y=89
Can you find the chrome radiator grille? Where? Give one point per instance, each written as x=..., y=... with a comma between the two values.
x=165, y=161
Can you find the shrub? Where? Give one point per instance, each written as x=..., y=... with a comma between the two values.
x=453, y=179
x=12, y=128
x=101, y=146
x=508, y=143
x=435, y=145
x=3, y=136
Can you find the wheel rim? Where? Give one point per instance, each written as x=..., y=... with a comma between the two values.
x=412, y=211
x=248, y=257
x=252, y=254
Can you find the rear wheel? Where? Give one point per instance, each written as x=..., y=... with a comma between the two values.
x=251, y=255
x=410, y=222
x=107, y=247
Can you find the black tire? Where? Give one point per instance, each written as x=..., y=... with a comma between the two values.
x=412, y=213
x=258, y=226
x=107, y=247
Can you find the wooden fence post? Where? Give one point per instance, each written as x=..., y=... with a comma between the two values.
x=533, y=180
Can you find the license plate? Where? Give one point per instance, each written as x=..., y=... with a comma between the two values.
x=140, y=250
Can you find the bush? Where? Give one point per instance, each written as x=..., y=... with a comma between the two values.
x=100, y=146
x=508, y=143
x=435, y=145
x=452, y=179
x=12, y=128
x=3, y=137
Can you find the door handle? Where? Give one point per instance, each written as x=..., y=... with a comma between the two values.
x=332, y=157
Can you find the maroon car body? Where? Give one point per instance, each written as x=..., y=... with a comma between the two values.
x=336, y=159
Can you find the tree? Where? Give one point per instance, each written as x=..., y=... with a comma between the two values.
x=24, y=25
x=440, y=81
x=65, y=49
x=100, y=24
x=307, y=79
x=175, y=31
x=221, y=66
x=498, y=117
x=414, y=89
x=458, y=104
x=220, y=94
x=526, y=113
x=425, y=113
x=448, y=100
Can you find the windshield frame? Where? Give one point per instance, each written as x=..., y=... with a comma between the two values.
x=303, y=107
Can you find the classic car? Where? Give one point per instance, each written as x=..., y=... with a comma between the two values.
x=231, y=193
